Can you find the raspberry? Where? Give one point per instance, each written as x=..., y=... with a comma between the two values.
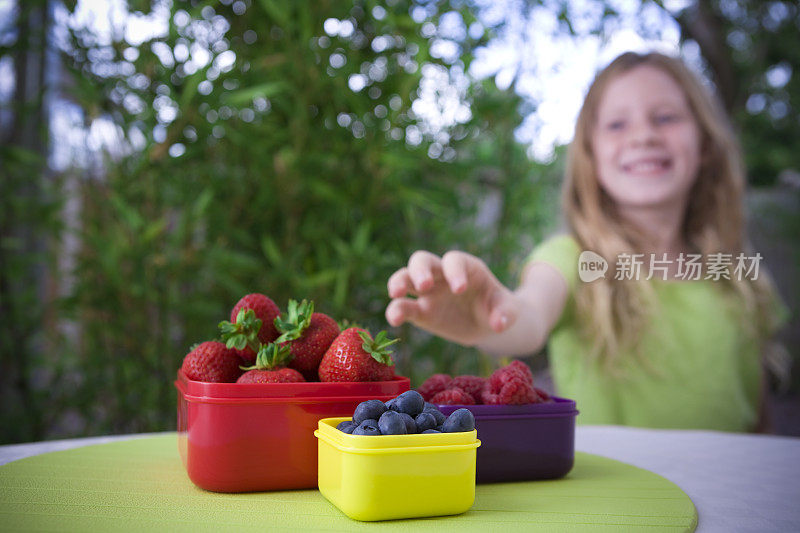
x=454, y=396
x=513, y=392
x=543, y=396
x=434, y=384
x=511, y=385
x=522, y=369
x=490, y=398
x=516, y=369
x=472, y=385
x=500, y=377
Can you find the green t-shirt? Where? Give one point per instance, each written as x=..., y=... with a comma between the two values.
x=704, y=371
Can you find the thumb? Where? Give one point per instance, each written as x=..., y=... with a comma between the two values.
x=502, y=310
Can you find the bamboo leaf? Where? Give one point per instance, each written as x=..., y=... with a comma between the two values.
x=128, y=213
x=247, y=94
x=276, y=10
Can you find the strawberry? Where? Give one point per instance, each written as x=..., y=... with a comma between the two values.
x=282, y=375
x=270, y=367
x=434, y=384
x=308, y=334
x=246, y=331
x=452, y=396
x=355, y=356
x=212, y=362
x=265, y=309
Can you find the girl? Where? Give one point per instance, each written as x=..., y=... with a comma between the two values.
x=654, y=170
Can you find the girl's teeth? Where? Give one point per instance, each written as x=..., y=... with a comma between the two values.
x=645, y=167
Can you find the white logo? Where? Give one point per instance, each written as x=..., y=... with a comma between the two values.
x=591, y=266
x=629, y=267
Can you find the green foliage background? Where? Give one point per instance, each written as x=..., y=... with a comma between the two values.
x=275, y=176
x=291, y=184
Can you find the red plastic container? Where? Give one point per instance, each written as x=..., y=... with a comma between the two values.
x=523, y=442
x=236, y=437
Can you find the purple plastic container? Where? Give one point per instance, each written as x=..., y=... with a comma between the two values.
x=523, y=442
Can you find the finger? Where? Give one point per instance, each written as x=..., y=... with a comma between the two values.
x=423, y=269
x=399, y=284
x=455, y=271
x=502, y=311
x=401, y=310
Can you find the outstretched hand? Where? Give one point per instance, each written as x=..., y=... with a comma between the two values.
x=455, y=297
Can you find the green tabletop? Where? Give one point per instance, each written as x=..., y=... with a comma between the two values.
x=141, y=485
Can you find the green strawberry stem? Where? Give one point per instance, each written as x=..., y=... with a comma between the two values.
x=271, y=356
x=295, y=321
x=345, y=323
x=242, y=333
x=378, y=347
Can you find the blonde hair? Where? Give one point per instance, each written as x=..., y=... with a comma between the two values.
x=613, y=313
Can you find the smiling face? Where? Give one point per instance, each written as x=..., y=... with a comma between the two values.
x=646, y=141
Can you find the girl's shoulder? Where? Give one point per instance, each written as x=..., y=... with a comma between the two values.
x=561, y=251
x=560, y=240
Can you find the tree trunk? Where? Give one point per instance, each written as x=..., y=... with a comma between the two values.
x=700, y=23
x=24, y=154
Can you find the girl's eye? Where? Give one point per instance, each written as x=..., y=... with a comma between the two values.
x=615, y=125
x=667, y=118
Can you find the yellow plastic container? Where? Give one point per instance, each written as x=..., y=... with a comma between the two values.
x=396, y=476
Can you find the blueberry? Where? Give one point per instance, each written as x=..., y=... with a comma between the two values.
x=368, y=410
x=425, y=421
x=391, y=405
x=411, y=426
x=394, y=405
x=347, y=426
x=411, y=403
x=367, y=427
x=459, y=420
x=429, y=405
x=431, y=431
x=392, y=423
x=437, y=414
x=440, y=429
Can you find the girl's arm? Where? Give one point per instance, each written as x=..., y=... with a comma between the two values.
x=458, y=298
x=540, y=299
